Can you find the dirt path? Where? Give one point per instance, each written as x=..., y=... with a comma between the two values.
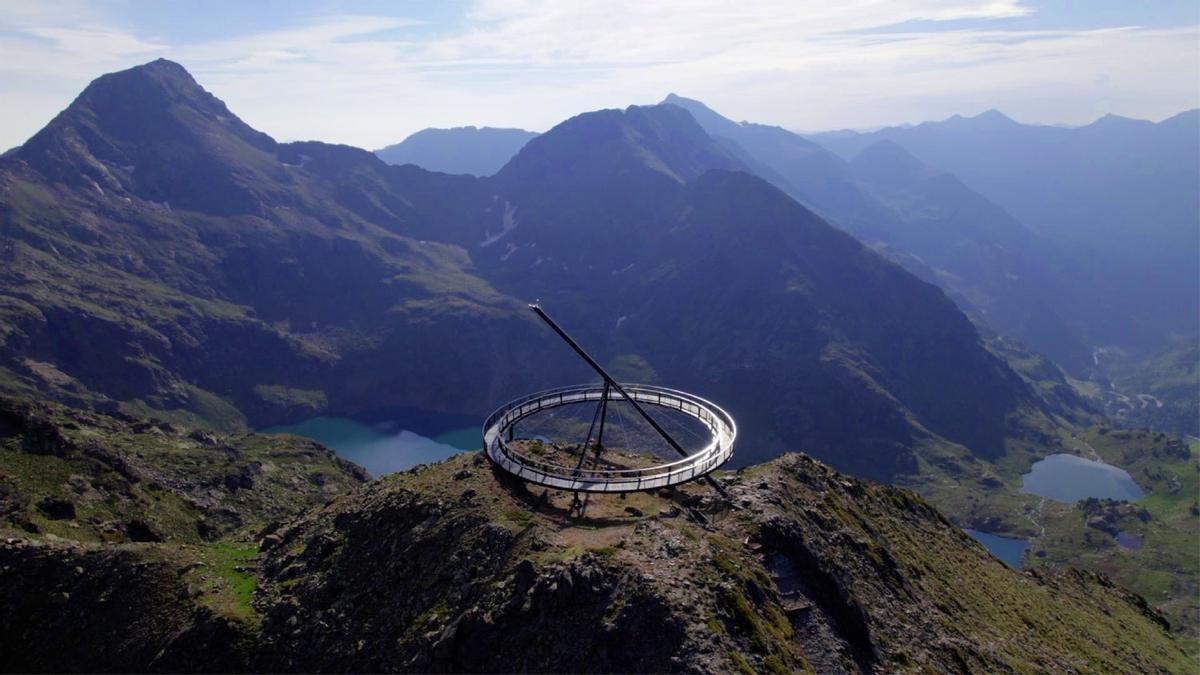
x=1037, y=512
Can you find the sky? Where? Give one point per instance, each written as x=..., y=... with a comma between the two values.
x=368, y=73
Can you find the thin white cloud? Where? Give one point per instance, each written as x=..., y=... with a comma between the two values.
x=370, y=80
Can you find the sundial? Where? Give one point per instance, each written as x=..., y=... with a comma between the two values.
x=589, y=466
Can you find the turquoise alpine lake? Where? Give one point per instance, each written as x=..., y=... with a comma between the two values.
x=1067, y=478
x=1008, y=549
x=383, y=447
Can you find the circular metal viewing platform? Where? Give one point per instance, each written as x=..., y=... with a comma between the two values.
x=497, y=433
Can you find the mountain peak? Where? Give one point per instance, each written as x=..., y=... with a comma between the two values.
x=1114, y=121
x=712, y=121
x=144, y=129
x=993, y=118
x=989, y=118
x=662, y=138
x=993, y=114
x=478, y=151
x=152, y=102
x=166, y=68
x=155, y=84
x=886, y=161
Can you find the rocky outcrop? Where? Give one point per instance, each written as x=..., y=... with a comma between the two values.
x=452, y=568
x=94, y=476
x=79, y=608
x=455, y=568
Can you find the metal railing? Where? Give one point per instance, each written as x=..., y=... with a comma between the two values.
x=695, y=465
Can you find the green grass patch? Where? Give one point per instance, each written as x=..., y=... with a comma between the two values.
x=231, y=561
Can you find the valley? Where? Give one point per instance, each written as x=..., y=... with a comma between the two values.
x=1096, y=533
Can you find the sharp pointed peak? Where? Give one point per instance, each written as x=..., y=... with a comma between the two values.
x=156, y=84
x=157, y=118
x=676, y=99
x=163, y=65
x=162, y=71
x=712, y=121
x=886, y=154
x=663, y=137
x=1113, y=118
x=992, y=115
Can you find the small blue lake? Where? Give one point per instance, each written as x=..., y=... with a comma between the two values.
x=383, y=447
x=1067, y=478
x=1008, y=549
x=1129, y=540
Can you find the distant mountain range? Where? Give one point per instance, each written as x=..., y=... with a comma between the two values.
x=993, y=266
x=1009, y=259
x=161, y=254
x=478, y=151
x=1119, y=193
x=1063, y=299
x=1109, y=185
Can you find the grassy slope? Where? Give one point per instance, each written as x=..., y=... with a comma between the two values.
x=1165, y=569
x=1162, y=391
x=160, y=296
x=987, y=495
x=108, y=510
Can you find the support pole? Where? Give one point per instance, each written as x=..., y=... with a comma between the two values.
x=603, y=414
x=583, y=450
x=616, y=385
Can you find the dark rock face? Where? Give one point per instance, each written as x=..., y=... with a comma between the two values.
x=453, y=605
x=57, y=509
x=71, y=608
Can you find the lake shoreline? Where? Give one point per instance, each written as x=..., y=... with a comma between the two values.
x=385, y=446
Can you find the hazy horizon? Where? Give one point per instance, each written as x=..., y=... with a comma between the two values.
x=312, y=70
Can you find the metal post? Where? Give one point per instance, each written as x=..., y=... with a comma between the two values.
x=583, y=450
x=616, y=385
x=603, y=414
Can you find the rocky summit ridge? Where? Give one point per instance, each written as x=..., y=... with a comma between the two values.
x=454, y=567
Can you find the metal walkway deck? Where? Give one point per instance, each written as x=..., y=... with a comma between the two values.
x=696, y=465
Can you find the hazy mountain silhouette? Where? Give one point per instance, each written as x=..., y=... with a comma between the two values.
x=478, y=151
x=1120, y=192
x=993, y=266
